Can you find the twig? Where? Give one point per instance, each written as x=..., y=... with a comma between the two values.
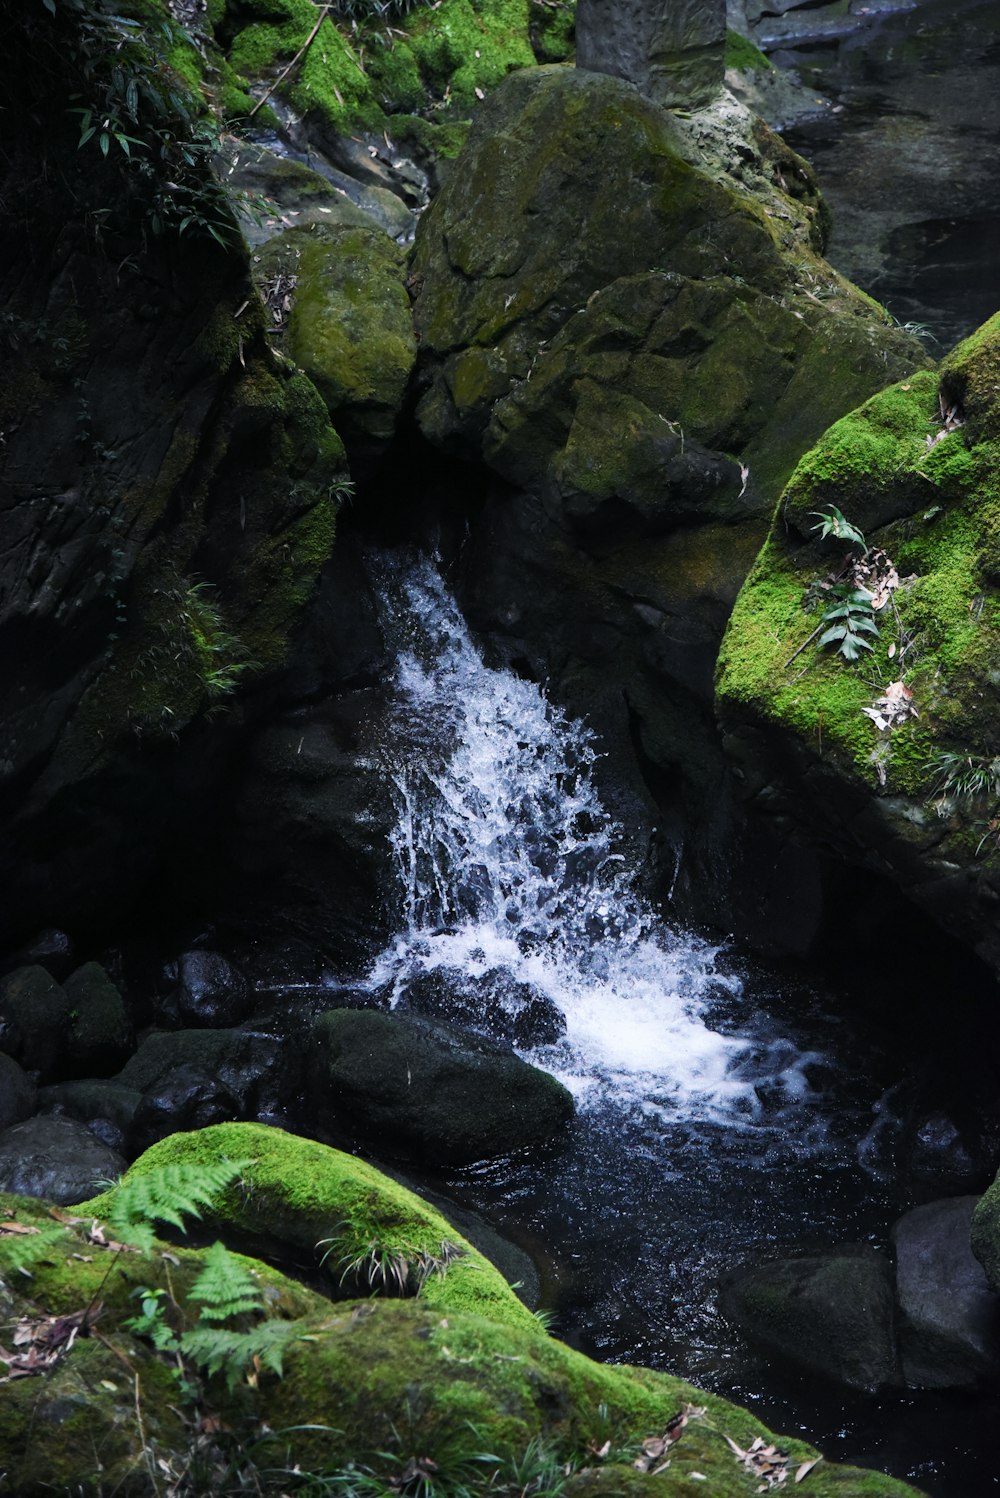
x=324, y=12
x=150, y=1459
x=803, y=645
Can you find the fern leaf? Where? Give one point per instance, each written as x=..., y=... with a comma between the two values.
x=225, y=1286
x=168, y=1194
x=216, y=1350
x=21, y=1251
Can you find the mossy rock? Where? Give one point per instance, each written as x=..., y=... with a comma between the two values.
x=986, y=1234
x=373, y=1382
x=915, y=471
x=576, y=257
x=419, y=1089
x=349, y=327
x=310, y=1202
x=437, y=61
x=100, y=1029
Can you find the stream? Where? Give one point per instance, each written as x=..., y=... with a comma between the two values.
x=723, y=1112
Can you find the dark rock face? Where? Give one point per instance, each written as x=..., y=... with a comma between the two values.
x=168, y=499
x=17, y=1093
x=252, y=1068
x=55, y=1158
x=673, y=50
x=417, y=1089
x=832, y=1315
x=495, y=1004
x=949, y=1334
x=104, y=1107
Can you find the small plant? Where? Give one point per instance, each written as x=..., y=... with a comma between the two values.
x=833, y=523
x=849, y=622
x=973, y=779
x=399, y=1271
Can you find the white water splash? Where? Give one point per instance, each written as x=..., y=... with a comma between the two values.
x=509, y=863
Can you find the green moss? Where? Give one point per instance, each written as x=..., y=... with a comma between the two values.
x=742, y=54
x=303, y=1194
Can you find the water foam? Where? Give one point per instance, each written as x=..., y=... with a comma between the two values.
x=508, y=861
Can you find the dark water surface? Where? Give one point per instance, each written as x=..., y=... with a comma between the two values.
x=910, y=165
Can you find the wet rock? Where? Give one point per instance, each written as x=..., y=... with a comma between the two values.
x=100, y=1035
x=304, y=197
x=495, y=1004
x=832, y=1315
x=17, y=1093
x=251, y=1067
x=210, y=991
x=183, y=1098
x=940, y=1158
x=417, y=1089
x=314, y=814
x=985, y=1236
x=949, y=1330
x=103, y=1106
x=55, y=1158
x=51, y=949
x=35, y=1016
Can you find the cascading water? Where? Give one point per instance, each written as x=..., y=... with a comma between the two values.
x=709, y=1130
x=509, y=866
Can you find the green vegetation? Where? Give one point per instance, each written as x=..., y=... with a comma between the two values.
x=743, y=55
x=210, y=1372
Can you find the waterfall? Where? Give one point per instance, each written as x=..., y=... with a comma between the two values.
x=511, y=874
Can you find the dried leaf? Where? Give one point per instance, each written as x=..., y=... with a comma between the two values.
x=806, y=1468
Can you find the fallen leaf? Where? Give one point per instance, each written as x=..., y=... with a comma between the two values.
x=806, y=1468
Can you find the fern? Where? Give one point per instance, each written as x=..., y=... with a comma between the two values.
x=21, y=1251
x=168, y=1194
x=216, y=1350
x=225, y=1286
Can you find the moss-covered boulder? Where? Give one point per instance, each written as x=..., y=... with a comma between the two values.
x=889, y=759
x=100, y=1033
x=349, y=325
x=416, y=1088
x=375, y=1382
x=576, y=258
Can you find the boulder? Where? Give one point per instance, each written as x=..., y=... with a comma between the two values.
x=495, y=1004
x=457, y=1353
x=104, y=1107
x=17, y=1093
x=210, y=991
x=418, y=1089
x=672, y=50
x=178, y=1064
x=100, y=1032
x=625, y=314
x=830, y=1314
x=185, y=1097
x=55, y=1158
x=949, y=1326
x=985, y=1237
x=898, y=779
x=35, y=1021
x=349, y=324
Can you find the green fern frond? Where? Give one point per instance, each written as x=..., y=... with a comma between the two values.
x=216, y=1350
x=225, y=1286
x=20, y=1252
x=168, y=1194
